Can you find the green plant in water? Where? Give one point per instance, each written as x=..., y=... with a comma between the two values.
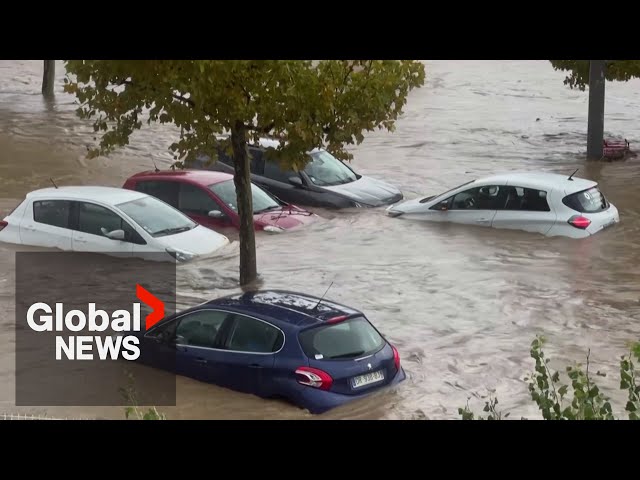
x=586, y=402
x=133, y=410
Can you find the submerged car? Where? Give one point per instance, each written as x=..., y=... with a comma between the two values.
x=210, y=199
x=107, y=220
x=325, y=182
x=315, y=353
x=546, y=203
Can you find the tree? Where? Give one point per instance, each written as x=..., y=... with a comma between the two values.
x=578, y=77
x=48, y=78
x=304, y=104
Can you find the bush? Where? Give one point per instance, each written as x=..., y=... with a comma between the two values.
x=586, y=401
x=133, y=410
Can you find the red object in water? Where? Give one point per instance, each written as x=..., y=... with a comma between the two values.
x=614, y=149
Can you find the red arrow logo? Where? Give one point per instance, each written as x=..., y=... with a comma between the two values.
x=152, y=301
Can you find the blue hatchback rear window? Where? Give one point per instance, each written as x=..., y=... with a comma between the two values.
x=348, y=339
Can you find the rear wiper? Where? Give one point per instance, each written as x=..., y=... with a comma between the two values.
x=348, y=355
x=168, y=231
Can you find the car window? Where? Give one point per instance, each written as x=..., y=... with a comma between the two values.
x=274, y=171
x=255, y=336
x=195, y=201
x=587, y=201
x=164, y=190
x=256, y=159
x=52, y=212
x=97, y=220
x=226, y=192
x=525, y=199
x=156, y=217
x=326, y=170
x=465, y=200
x=349, y=339
x=200, y=328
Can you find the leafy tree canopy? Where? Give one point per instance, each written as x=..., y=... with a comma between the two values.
x=307, y=104
x=578, y=77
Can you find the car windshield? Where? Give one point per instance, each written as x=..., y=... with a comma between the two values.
x=587, y=201
x=156, y=217
x=349, y=339
x=226, y=192
x=326, y=170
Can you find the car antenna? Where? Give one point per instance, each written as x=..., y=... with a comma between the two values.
x=54, y=183
x=322, y=297
x=570, y=176
x=154, y=165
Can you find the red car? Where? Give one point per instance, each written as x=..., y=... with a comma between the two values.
x=209, y=198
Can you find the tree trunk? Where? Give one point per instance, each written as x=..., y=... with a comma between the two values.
x=48, y=78
x=595, y=126
x=242, y=180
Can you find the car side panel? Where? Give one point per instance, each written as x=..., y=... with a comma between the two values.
x=39, y=234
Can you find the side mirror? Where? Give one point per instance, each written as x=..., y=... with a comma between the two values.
x=297, y=181
x=443, y=206
x=216, y=214
x=115, y=235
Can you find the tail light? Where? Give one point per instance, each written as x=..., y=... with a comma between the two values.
x=314, y=377
x=396, y=357
x=3, y=224
x=579, y=221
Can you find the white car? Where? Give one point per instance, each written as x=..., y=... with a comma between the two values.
x=546, y=203
x=107, y=220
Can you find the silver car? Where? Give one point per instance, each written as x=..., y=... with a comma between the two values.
x=546, y=203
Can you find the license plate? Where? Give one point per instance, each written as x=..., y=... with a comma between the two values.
x=367, y=379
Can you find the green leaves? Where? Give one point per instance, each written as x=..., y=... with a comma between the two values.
x=617, y=70
x=329, y=103
x=586, y=402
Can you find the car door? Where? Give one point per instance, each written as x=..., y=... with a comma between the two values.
x=472, y=206
x=525, y=209
x=199, y=204
x=46, y=223
x=92, y=223
x=249, y=356
x=198, y=344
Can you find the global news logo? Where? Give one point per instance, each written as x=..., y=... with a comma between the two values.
x=71, y=345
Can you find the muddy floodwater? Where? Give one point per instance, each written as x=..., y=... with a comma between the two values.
x=462, y=303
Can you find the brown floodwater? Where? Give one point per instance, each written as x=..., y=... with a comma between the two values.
x=462, y=303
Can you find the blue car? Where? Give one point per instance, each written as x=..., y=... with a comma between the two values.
x=314, y=353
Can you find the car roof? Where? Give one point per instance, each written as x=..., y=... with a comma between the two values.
x=201, y=177
x=540, y=180
x=284, y=306
x=107, y=195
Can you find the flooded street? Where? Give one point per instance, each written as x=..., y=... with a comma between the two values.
x=462, y=304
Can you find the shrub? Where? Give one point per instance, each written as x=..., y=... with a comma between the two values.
x=579, y=398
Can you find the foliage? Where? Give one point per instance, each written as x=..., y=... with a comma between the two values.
x=578, y=77
x=304, y=104
x=587, y=402
x=133, y=410
x=489, y=407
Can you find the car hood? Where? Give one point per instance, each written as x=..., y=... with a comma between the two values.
x=199, y=240
x=368, y=191
x=285, y=217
